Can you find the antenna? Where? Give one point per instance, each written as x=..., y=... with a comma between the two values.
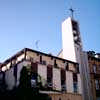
x=36, y=44
x=72, y=11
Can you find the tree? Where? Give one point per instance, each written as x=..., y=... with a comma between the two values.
x=24, y=91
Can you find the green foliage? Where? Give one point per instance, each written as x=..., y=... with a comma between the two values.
x=25, y=91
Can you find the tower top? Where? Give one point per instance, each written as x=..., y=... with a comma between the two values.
x=72, y=11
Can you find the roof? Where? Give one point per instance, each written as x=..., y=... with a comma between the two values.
x=93, y=55
x=28, y=49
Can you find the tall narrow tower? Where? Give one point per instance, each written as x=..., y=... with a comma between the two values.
x=72, y=50
x=71, y=40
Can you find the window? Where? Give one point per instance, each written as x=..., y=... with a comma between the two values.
x=94, y=68
x=49, y=74
x=97, y=84
x=75, y=83
x=74, y=77
x=63, y=79
x=75, y=87
x=77, y=68
x=2, y=78
x=67, y=67
x=40, y=59
x=15, y=72
x=49, y=77
x=13, y=62
x=44, y=62
x=33, y=80
x=55, y=64
x=75, y=25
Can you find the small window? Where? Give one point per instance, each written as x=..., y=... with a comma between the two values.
x=77, y=69
x=97, y=84
x=13, y=62
x=75, y=26
x=75, y=77
x=94, y=68
x=67, y=66
x=44, y=62
x=63, y=80
x=40, y=59
x=15, y=72
x=49, y=74
x=55, y=64
x=64, y=61
x=75, y=87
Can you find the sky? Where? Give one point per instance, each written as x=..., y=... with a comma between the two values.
x=23, y=22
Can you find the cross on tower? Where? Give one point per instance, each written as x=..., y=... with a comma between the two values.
x=72, y=11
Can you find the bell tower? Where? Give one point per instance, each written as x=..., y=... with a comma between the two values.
x=71, y=40
x=72, y=50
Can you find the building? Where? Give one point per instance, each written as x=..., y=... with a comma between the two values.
x=61, y=76
x=94, y=67
x=71, y=51
x=91, y=79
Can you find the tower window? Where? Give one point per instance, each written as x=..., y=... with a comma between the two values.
x=75, y=26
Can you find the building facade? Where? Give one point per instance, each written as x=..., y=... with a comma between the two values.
x=94, y=67
x=60, y=77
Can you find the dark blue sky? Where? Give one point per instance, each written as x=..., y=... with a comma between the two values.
x=23, y=22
